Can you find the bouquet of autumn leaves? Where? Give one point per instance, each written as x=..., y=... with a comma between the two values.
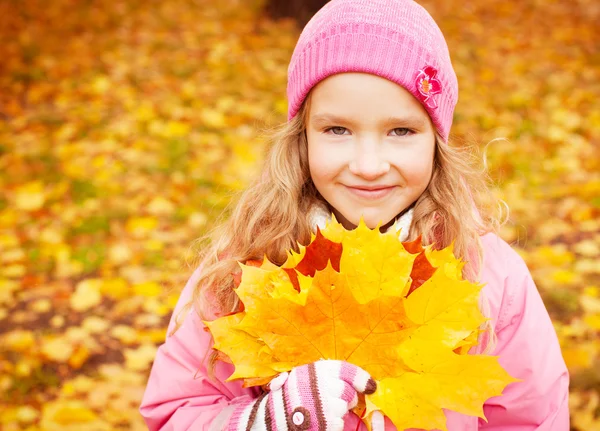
x=400, y=311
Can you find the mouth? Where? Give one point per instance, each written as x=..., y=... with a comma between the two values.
x=370, y=192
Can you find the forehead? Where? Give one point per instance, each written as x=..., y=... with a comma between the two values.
x=364, y=96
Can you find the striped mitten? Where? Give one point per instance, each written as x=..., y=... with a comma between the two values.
x=313, y=397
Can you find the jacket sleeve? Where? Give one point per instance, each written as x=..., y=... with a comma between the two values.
x=181, y=394
x=528, y=349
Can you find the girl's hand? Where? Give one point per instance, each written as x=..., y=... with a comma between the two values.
x=313, y=397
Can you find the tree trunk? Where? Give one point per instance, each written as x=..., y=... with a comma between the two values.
x=301, y=10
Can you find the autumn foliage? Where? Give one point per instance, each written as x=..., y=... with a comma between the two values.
x=127, y=126
x=348, y=296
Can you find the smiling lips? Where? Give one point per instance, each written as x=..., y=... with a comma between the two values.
x=370, y=192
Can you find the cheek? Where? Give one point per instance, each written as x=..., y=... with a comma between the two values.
x=321, y=170
x=416, y=167
x=420, y=174
x=324, y=161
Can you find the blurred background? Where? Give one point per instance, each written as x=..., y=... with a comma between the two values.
x=126, y=126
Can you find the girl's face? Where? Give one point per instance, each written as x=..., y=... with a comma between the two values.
x=370, y=147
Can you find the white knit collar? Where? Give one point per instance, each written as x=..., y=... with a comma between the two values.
x=319, y=215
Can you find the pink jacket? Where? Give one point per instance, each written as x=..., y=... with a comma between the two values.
x=182, y=396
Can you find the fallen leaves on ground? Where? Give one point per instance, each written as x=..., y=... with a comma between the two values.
x=125, y=127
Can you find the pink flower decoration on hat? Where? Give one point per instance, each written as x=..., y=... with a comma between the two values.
x=428, y=86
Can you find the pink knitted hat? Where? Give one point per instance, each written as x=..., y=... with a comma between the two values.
x=395, y=39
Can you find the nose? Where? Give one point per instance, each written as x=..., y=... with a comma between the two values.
x=368, y=161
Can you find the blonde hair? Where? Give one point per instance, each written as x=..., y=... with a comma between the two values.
x=270, y=217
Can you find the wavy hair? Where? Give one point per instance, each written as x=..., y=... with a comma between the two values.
x=270, y=216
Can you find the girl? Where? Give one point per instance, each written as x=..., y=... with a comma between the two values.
x=371, y=94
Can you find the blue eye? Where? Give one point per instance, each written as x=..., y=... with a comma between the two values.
x=401, y=131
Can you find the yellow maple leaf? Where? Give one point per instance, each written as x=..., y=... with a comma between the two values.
x=446, y=309
x=243, y=349
x=322, y=321
x=413, y=344
x=378, y=264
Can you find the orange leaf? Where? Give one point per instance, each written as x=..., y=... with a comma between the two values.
x=256, y=381
x=421, y=272
x=320, y=251
x=414, y=247
x=361, y=314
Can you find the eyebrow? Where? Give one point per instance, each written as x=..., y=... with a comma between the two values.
x=411, y=120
